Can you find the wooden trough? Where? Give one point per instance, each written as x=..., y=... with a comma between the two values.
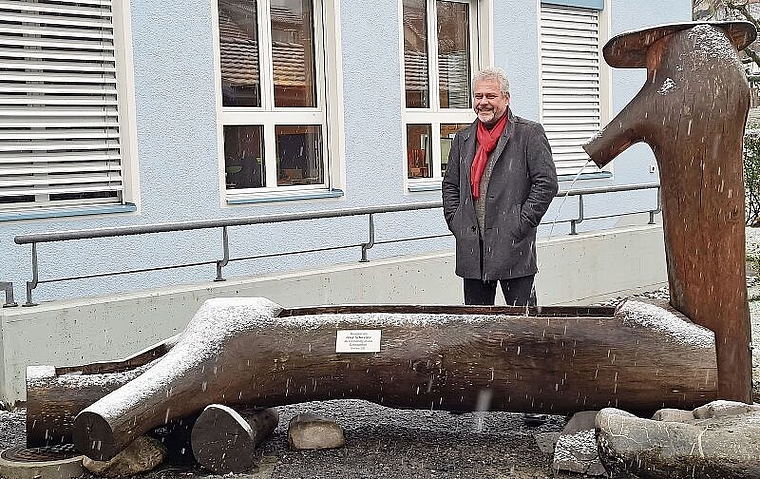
x=251, y=352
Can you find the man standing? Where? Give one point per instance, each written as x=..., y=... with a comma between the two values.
x=498, y=184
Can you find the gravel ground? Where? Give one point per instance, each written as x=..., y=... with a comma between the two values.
x=384, y=443
x=392, y=443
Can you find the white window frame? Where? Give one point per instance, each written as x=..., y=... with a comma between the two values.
x=594, y=111
x=480, y=54
x=328, y=96
x=124, y=176
x=125, y=82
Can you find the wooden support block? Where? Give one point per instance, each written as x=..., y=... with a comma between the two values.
x=223, y=439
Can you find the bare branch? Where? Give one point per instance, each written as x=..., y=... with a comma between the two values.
x=742, y=8
x=753, y=54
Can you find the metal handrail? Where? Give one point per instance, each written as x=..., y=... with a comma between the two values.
x=581, y=192
x=225, y=223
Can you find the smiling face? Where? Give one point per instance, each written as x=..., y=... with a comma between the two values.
x=490, y=103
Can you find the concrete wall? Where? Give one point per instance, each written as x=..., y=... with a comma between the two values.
x=573, y=270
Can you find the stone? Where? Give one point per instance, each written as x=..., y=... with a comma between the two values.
x=725, y=444
x=308, y=431
x=576, y=449
x=673, y=415
x=722, y=408
x=546, y=441
x=581, y=421
x=142, y=455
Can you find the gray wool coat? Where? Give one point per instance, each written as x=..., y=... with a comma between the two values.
x=522, y=185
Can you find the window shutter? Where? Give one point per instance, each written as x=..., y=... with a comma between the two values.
x=59, y=116
x=570, y=95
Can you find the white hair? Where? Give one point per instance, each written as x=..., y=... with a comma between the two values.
x=493, y=73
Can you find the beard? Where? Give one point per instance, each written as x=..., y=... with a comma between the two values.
x=489, y=116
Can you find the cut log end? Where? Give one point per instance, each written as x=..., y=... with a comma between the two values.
x=88, y=425
x=223, y=440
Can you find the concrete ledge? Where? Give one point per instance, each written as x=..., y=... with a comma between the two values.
x=576, y=270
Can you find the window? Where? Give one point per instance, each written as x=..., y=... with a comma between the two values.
x=572, y=107
x=62, y=127
x=440, y=56
x=273, y=91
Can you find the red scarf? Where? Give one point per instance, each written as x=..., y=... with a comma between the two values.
x=487, y=140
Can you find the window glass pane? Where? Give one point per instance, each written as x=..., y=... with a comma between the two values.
x=447, y=136
x=454, y=54
x=418, y=151
x=244, y=156
x=83, y=195
x=293, y=53
x=239, y=53
x=16, y=199
x=299, y=155
x=416, y=54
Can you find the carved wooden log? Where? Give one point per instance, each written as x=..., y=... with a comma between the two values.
x=553, y=360
x=692, y=111
x=224, y=439
x=54, y=396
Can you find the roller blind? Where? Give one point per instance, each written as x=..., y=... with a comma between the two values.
x=59, y=115
x=595, y=4
x=570, y=84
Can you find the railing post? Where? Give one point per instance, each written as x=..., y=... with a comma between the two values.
x=579, y=219
x=657, y=210
x=226, y=258
x=8, y=287
x=366, y=246
x=30, y=285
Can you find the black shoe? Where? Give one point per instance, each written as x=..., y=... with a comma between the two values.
x=534, y=420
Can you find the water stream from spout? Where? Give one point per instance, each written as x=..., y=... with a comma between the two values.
x=564, y=199
x=556, y=218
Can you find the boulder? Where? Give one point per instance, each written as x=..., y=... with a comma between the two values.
x=546, y=441
x=142, y=455
x=308, y=431
x=721, y=408
x=576, y=449
x=720, y=441
x=673, y=415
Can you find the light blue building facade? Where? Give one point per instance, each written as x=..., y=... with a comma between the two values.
x=134, y=112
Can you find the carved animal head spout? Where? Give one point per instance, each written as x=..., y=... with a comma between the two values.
x=695, y=85
x=691, y=112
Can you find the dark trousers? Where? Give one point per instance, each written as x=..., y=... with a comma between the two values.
x=517, y=291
